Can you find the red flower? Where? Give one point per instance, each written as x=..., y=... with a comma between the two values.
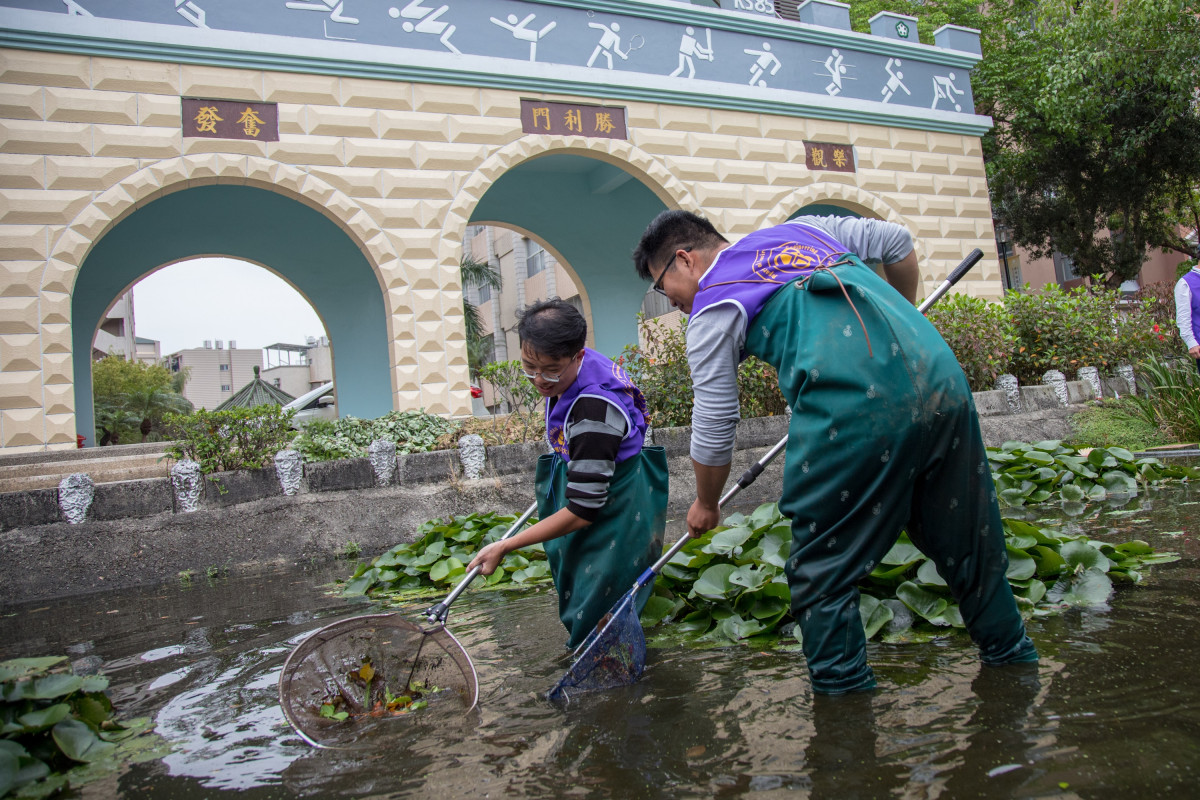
x=1156, y=330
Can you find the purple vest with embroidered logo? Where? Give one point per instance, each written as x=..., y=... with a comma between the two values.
x=599, y=377
x=1192, y=278
x=748, y=273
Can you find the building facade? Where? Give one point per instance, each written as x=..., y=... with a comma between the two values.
x=216, y=373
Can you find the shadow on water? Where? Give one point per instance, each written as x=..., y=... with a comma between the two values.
x=1112, y=709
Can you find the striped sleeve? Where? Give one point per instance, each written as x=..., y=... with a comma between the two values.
x=594, y=433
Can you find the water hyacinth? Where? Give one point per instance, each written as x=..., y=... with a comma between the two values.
x=1049, y=470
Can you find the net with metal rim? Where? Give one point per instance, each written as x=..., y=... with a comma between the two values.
x=613, y=655
x=379, y=666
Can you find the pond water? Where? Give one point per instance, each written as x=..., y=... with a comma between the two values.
x=1113, y=709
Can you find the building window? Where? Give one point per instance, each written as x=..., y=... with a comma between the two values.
x=277, y=381
x=225, y=387
x=484, y=293
x=224, y=368
x=655, y=305
x=535, y=258
x=1064, y=268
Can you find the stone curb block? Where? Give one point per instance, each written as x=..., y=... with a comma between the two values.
x=223, y=489
x=438, y=465
x=125, y=499
x=32, y=507
x=332, y=476
x=508, y=459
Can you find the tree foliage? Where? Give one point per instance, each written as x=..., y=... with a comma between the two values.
x=1097, y=127
x=131, y=398
x=482, y=274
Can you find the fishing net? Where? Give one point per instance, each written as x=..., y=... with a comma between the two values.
x=371, y=668
x=613, y=655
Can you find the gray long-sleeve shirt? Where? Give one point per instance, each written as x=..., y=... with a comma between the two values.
x=716, y=336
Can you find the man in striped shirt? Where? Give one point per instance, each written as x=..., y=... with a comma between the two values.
x=601, y=495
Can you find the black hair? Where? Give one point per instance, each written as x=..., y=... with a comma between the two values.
x=553, y=328
x=670, y=231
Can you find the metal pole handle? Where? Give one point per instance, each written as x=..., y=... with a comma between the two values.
x=438, y=613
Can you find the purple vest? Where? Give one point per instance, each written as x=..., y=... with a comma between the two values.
x=599, y=377
x=1193, y=281
x=746, y=274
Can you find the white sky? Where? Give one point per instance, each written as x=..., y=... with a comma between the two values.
x=221, y=298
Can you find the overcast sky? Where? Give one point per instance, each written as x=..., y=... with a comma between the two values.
x=220, y=298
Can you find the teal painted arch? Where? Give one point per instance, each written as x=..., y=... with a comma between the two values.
x=592, y=213
x=261, y=226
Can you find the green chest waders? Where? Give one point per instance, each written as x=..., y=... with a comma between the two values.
x=594, y=566
x=883, y=437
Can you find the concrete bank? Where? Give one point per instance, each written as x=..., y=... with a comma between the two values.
x=135, y=533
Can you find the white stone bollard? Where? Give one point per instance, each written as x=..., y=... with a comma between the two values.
x=75, y=493
x=186, y=481
x=1012, y=391
x=1126, y=372
x=383, y=460
x=472, y=454
x=289, y=469
x=1091, y=376
x=1058, y=382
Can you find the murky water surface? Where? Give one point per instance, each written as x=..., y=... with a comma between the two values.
x=1114, y=709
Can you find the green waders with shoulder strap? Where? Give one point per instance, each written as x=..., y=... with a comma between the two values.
x=594, y=566
x=883, y=437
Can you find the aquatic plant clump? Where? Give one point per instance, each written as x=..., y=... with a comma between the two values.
x=729, y=585
x=439, y=556
x=58, y=730
x=338, y=707
x=1045, y=471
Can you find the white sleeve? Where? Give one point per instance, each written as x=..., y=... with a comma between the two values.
x=714, y=344
x=1183, y=313
x=872, y=240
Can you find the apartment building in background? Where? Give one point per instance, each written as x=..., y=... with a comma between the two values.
x=299, y=368
x=115, y=335
x=217, y=371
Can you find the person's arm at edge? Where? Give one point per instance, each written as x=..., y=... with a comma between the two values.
x=905, y=276
x=560, y=523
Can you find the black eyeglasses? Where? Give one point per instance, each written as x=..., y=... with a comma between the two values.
x=658, y=283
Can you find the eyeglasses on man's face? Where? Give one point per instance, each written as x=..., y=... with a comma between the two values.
x=549, y=376
x=658, y=287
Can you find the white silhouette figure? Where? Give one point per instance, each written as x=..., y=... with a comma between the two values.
x=610, y=42
x=766, y=61
x=191, y=12
x=76, y=10
x=427, y=22
x=690, y=46
x=836, y=68
x=944, y=89
x=524, y=34
x=335, y=7
x=895, y=80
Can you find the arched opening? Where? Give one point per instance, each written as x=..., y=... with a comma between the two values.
x=293, y=240
x=827, y=210
x=590, y=214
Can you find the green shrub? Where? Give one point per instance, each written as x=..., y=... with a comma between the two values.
x=1063, y=330
x=509, y=381
x=660, y=370
x=349, y=437
x=758, y=389
x=236, y=438
x=980, y=334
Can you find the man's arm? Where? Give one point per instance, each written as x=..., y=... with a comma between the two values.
x=905, y=276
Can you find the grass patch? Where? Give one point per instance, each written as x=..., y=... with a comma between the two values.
x=1114, y=423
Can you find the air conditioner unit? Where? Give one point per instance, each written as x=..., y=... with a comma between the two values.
x=232, y=344
x=208, y=344
x=220, y=345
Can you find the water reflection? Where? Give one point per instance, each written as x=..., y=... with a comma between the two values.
x=1112, y=709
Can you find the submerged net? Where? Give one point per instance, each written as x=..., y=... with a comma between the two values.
x=379, y=666
x=613, y=655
